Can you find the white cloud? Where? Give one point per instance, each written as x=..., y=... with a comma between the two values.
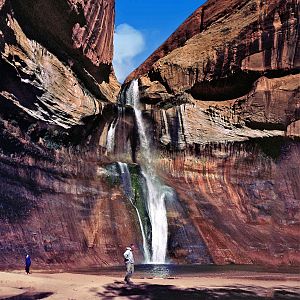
x=128, y=43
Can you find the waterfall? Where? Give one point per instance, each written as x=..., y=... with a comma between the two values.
x=126, y=180
x=110, y=144
x=110, y=139
x=156, y=192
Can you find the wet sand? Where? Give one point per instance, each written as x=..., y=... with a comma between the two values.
x=60, y=286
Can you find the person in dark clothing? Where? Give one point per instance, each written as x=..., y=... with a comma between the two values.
x=27, y=264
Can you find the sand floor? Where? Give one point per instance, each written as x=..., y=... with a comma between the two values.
x=61, y=286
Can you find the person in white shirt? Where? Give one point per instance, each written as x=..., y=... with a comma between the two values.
x=129, y=263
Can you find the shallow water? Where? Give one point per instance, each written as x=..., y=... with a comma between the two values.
x=171, y=270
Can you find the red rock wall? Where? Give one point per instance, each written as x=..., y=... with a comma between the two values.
x=221, y=99
x=99, y=15
x=246, y=53
x=56, y=92
x=61, y=207
x=242, y=201
x=57, y=58
x=85, y=25
x=61, y=200
x=79, y=34
x=196, y=23
x=239, y=43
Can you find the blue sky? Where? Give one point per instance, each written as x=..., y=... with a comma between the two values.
x=142, y=26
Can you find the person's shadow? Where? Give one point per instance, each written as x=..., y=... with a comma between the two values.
x=170, y=292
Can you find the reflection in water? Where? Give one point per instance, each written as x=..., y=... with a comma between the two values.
x=161, y=271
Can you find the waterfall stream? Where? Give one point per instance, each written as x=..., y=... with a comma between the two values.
x=111, y=134
x=156, y=191
x=110, y=145
x=126, y=180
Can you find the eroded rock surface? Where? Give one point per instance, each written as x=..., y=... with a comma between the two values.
x=242, y=198
x=228, y=73
x=221, y=103
x=57, y=88
x=221, y=99
x=55, y=70
x=218, y=41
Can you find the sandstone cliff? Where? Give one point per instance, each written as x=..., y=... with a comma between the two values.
x=221, y=98
x=57, y=89
x=221, y=101
x=237, y=63
x=246, y=52
x=56, y=62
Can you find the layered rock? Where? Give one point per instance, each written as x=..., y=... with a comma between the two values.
x=217, y=41
x=248, y=53
x=57, y=88
x=56, y=61
x=242, y=198
x=238, y=66
x=222, y=101
x=233, y=201
x=64, y=208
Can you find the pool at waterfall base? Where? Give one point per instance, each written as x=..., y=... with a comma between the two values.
x=194, y=270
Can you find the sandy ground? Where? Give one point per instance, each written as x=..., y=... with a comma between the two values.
x=61, y=286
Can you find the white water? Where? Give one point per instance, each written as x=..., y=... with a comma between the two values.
x=156, y=191
x=111, y=134
x=129, y=193
x=110, y=144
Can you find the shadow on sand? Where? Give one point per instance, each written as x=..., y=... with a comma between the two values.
x=169, y=292
x=30, y=296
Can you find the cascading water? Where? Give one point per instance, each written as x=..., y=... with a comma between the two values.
x=156, y=192
x=110, y=144
x=126, y=180
x=110, y=139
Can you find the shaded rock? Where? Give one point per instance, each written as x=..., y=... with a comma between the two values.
x=48, y=90
x=57, y=89
x=48, y=77
x=294, y=129
x=62, y=212
x=54, y=89
x=79, y=33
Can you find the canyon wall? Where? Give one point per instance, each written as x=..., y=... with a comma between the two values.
x=221, y=98
x=57, y=93
x=221, y=102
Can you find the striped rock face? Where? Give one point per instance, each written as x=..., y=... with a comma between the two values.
x=222, y=98
x=219, y=111
x=57, y=90
x=58, y=57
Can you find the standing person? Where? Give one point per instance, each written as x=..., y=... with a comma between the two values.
x=27, y=264
x=129, y=262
